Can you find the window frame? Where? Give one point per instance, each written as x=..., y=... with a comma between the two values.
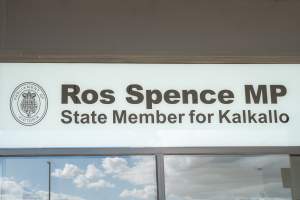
x=158, y=153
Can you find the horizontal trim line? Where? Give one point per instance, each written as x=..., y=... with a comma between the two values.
x=129, y=58
x=149, y=151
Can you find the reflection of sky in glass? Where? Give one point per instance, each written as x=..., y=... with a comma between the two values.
x=225, y=177
x=133, y=178
x=79, y=178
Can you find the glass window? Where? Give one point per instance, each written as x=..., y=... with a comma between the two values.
x=226, y=177
x=24, y=178
x=79, y=178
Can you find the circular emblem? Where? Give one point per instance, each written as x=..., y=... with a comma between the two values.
x=28, y=103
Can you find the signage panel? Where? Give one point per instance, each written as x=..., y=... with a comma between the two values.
x=145, y=105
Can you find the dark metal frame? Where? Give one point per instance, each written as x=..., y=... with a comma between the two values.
x=149, y=151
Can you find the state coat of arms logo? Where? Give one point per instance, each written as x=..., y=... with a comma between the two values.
x=29, y=103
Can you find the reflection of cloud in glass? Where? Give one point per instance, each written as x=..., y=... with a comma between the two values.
x=14, y=190
x=80, y=178
x=89, y=178
x=69, y=171
x=147, y=192
x=225, y=177
x=141, y=172
x=132, y=177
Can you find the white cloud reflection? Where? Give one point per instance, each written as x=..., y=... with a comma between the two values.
x=11, y=189
x=69, y=171
x=224, y=178
x=141, y=172
x=148, y=192
x=90, y=178
x=139, y=175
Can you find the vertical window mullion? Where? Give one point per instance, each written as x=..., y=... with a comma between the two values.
x=2, y=173
x=160, y=177
x=295, y=176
